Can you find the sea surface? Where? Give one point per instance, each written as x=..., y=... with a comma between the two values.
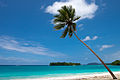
x=21, y=72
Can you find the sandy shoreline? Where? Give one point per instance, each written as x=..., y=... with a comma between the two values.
x=99, y=76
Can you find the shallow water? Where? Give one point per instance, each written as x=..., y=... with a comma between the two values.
x=15, y=72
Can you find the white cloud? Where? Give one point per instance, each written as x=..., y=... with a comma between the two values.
x=80, y=26
x=105, y=47
x=87, y=38
x=82, y=8
x=10, y=43
x=14, y=59
x=112, y=56
x=95, y=37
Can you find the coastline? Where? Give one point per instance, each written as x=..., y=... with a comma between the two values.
x=92, y=76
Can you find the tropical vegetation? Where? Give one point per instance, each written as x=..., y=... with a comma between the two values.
x=63, y=64
x=65, y=19
x=117, y=62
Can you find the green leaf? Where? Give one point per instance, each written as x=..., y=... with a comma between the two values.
x=64, y=33
x=64, y=12
x=59, y=26
x=72, y=14
x=66, y=17
x=58, y=20
x=76, y=18
x=57, y=15
x=74, y=26
x=70, y=32
x=67, y=10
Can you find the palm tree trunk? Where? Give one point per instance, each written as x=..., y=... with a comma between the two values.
x=114, y=77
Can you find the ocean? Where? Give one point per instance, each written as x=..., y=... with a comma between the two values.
x=22, y=72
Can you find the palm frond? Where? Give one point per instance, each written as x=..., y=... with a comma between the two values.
x=68, y=10
x=63, y=13
x=59, y=26
x=57, y=15
x=58, y=20
x=72, y=14
x=64, y=33
x=76, y=18
x=74, y=26
x=66, y=17
x=70, y=32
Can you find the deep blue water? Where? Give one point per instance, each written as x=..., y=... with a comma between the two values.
x=13, y=72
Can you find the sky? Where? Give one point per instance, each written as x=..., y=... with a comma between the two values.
x=27, y=36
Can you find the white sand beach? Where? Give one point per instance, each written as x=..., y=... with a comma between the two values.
x=99, y=76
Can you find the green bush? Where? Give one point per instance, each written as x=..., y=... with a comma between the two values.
x=117, y=62
x=63, y=64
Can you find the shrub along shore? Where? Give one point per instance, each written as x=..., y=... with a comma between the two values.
x=117, y=62
x=63, y=64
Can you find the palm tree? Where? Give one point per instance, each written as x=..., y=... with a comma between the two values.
x=66, y=20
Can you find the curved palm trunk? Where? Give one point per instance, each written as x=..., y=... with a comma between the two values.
x=114, y=77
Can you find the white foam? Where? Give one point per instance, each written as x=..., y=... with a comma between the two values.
x=71, y=77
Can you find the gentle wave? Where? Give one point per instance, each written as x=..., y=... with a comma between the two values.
x=72, y=76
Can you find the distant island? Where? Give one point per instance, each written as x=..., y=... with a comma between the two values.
x=94, y=63
x=63, y=64
x=117, y=62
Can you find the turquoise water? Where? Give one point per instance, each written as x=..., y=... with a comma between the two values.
x=14, y=72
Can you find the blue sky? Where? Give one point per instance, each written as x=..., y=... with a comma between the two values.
x=27, y=36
